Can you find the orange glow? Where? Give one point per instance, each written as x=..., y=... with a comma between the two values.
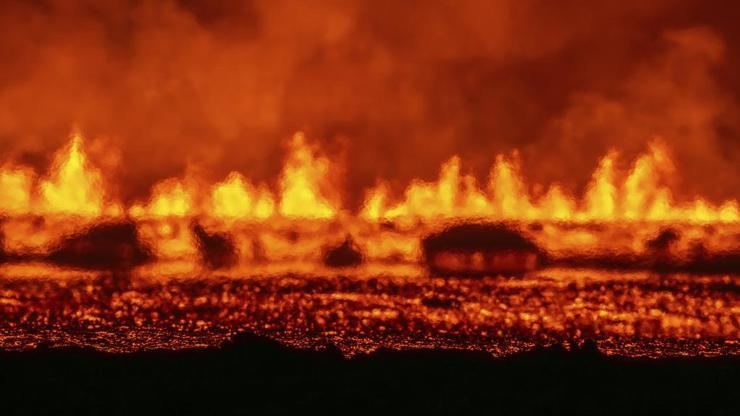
x=15, y=190
x=235, y=197
x=303, y=176
x=641, y=197
x=298, y=220
x=232, y=198
x=488, y=175
x=75, y=187
x=301, y=182
x=170, y=197
x=601, y=197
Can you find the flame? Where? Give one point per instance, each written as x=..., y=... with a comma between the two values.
x=641, y=197
x=236, y=197
x=303, y=176
x=75, y=187
x=171, y=197
x=559, y=205
x=431, y=199
x=601, y=197
x=301, y=181
x=15, y=190
x=510, y=199
x=73, y=193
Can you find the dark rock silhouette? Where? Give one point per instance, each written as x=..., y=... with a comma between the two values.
x=585, y=348
x=480, y=249
x=474, y=236
x=217, y=250
x=436, y=301
x=702, y=260
x=346, y=254
x=659, y=249
x=663, y=241
x=726, y=262
x=548, y=379
x=104, y=246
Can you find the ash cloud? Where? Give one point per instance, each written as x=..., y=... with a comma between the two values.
x=390, y=88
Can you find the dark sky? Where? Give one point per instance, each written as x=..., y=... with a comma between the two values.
x=389, y=88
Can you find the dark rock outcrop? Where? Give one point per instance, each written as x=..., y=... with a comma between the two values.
x=204, y=381
x=104, y=246
x=663, y=241
x=480, y=249
x=346, y=254
x=724, y=262
x=441, y=302
x=217, y=250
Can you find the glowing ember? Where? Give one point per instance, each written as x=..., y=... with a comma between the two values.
x=629, y=314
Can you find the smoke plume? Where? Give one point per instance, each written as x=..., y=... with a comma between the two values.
x=389, y=88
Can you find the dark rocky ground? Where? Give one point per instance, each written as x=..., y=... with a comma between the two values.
x=253, y=375
x=554, y=341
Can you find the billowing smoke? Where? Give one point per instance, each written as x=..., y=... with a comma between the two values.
x=389, y=88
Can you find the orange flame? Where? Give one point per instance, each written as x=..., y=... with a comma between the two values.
x=641, y=197
x=15, y=190
x=303, y=176
x=75, y=187
x=302, y=179
x=170, y=197
x=236, y=197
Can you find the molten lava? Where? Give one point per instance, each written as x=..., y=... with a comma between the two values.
x=192, y=242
